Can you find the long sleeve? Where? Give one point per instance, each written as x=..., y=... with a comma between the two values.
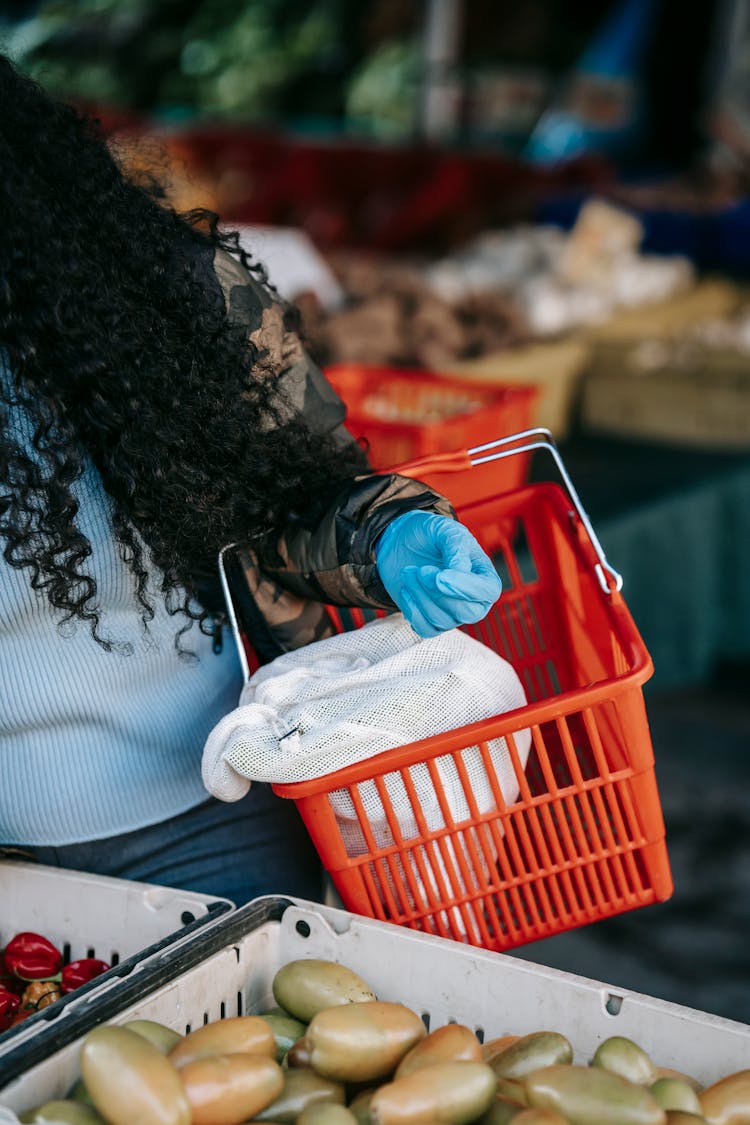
x=331, y=559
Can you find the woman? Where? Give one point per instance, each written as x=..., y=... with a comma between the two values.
x=155, y=406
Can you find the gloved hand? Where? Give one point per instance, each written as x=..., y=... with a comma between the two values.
x=436, y=572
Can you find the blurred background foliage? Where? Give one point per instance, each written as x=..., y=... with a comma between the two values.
x=236, y=60
x=312, y=65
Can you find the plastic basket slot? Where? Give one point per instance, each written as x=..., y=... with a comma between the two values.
x=538, y=642
x=512, y=629
x=346, y=618
x=427, y=859
x=384, y=876
x=515, y=615
x=507, y=543
x=453, y=856
x=570, y=837
x=502, y=831
x=546, y=769
x=590, y=839
x=538, y=682
x=491, y=838
x=483, y=865
x=470, y=875
x=569, y=751
x=402, y=874
x=559, y=880
x=518, y=615
x=447, y=858
x=577, y=749
x=533, y=878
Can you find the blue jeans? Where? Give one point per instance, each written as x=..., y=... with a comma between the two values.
x=238, y=851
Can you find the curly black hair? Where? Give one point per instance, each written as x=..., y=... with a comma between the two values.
x=123, y=357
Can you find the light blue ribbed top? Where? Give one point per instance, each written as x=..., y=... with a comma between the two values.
x=96, y=743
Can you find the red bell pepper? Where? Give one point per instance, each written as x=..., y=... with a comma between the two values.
x=21, y=1015
x=30, y=956
x=8, y=982
x=81, y=972
x=9, y=1005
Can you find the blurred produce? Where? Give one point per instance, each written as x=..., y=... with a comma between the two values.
x=710, y=299
x=487, y=311
x=392, y=317
x=504, y=102
x=564, y=280
x=343, y=193
x=504, y=288
x=554, y=368
x=688, y=384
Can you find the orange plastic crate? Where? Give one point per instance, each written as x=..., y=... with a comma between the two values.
x=585, y=838
x=404, y=414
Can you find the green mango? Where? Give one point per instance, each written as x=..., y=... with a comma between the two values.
x=63, y=1112
x=592, y=1096
x=307, y=986
x=286, y=1031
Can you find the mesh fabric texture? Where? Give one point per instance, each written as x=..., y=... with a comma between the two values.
x=347, y=698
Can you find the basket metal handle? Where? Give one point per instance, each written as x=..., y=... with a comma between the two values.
x=232, y=613
x=527, y=441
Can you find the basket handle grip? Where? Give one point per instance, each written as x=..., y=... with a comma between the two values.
x=524, y=442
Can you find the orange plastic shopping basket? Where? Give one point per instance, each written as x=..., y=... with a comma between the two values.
x=404, y=414
x=585, y=838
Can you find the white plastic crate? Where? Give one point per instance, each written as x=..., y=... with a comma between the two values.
x=228, y=969
x=92, y=916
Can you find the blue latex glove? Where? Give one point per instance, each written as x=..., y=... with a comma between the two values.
x=436, y=572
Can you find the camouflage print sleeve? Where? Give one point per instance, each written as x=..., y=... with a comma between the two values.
x=304, y=389
x=333, y=561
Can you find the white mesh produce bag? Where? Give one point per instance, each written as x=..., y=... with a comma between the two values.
x=344, y=699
